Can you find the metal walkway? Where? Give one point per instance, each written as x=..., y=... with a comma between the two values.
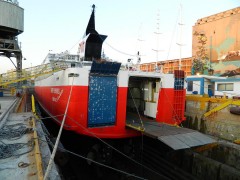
x=173, y=136
x=12, y=77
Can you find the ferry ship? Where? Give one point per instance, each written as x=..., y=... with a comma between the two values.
x=99, y=96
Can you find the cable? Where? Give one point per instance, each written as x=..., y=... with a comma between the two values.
x=49, y=117
x=15, y=131
x=59, y=135
x=55, y=119
x=86, y=129
x=45, y=130
x=137, y=110
x=101, y=164
x=107, y=143
x=74, y=44
x=121, y=52
x=141, y=124
x=172, y=37
x=9, y=150
x=110, y=145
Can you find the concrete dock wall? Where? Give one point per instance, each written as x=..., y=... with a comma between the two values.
x=220, y=161
x=221, y=123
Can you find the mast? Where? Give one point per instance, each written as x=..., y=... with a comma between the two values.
x=180, y=38
x=157, y=32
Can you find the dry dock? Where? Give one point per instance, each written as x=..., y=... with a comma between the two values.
x=24, y=152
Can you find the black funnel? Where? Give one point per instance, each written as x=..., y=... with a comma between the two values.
x=91, y=47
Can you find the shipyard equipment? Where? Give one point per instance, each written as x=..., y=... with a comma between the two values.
x=11, y=25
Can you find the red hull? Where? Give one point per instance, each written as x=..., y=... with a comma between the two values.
x=54, y=102
x=171, y=99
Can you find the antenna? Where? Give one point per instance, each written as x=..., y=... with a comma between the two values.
x=140, y=41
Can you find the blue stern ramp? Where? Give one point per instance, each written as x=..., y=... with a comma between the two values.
x=102, y=94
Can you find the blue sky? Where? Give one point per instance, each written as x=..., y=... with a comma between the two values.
x=59, y=26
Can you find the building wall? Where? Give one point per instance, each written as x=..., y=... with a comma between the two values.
x=169, y=66
x=206, y=83
x=223, y=35
x=222, y=31
x=196, y=86
x=235, y=92
x=198, y=83
x=221, y=67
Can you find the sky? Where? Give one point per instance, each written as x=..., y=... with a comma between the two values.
x=131, y=25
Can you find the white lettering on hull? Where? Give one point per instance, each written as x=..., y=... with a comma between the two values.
x=58, y=92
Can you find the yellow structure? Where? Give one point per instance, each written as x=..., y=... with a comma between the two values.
x=29, y=73
x=224, y=105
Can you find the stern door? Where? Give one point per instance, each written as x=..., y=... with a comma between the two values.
x=102, y=94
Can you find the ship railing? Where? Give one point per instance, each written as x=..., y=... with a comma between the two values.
x=62, y=57
x=11, y=77
x=57, y=62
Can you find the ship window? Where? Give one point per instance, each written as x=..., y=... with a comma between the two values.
x=73, y=75
x=225, y=87
x=190, y=86
x=73, y=65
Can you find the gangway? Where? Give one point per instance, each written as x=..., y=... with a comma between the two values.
x=56, y=63
x=173, y=136
x=29, y=73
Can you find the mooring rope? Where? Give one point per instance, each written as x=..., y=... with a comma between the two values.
x=59, y=135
